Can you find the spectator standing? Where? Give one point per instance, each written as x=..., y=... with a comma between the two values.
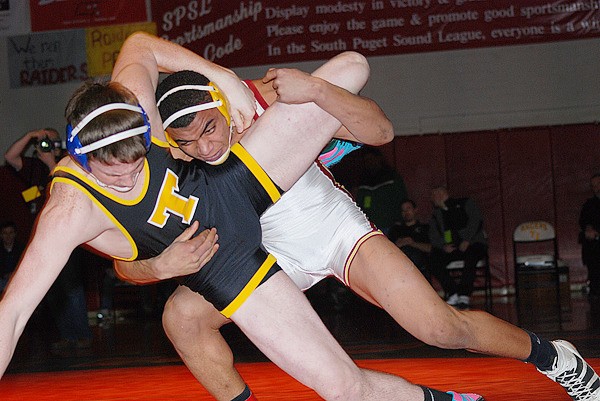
x=589, y=237
x=381, y=190
x=10, y=252
x=412, y=236
x=456, y=233
x=34, y=171
x=66, y=299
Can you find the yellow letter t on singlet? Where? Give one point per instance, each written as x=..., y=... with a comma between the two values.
x=170, y=202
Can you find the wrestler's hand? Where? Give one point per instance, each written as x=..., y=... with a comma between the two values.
x=36, y=135
x=293, y=86
x=187, y=254
x=240, y=99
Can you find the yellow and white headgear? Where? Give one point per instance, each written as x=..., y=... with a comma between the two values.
x=218, y=101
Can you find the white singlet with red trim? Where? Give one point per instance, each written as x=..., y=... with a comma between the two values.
x=315, y=229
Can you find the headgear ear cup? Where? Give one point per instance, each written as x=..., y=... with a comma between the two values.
x=170, y=140
x=73, y=143
x=218, y=96
x=148, y=133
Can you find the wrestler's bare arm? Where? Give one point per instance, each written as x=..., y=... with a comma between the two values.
x=362, y=119
x=63, y=224
x=143, y=56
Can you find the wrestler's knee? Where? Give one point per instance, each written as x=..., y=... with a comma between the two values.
x=450, y=330
x=188, y=312
x=357, y=64
x=346, y=382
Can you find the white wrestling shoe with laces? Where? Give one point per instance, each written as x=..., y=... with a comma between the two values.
x=572, y=372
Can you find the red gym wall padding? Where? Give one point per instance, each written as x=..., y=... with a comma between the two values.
x=515, y=175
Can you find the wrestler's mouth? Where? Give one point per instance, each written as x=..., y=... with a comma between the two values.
x=214, y=157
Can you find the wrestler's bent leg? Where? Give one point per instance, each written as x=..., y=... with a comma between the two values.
x=382, y=274
x=192, y=324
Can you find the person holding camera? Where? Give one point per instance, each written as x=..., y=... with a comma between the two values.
x=35, y=171
x=66, y=299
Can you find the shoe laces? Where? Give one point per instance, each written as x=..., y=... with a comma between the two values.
x=580, y=382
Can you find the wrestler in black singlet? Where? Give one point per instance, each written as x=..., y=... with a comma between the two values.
x=230, y=197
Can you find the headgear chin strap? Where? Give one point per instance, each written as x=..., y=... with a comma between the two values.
x=225, y=155
x=79, y=152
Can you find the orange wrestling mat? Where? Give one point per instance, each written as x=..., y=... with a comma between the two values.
x=497, y=379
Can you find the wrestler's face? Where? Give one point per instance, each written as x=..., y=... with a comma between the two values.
x=118, y=176
x=207, y=138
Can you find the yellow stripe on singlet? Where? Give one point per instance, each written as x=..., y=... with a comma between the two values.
x=104, y=191
x=250, y=287
x=258, y=171
x=162, y=143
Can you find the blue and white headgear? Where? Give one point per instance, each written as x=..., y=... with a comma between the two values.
x=79, y=152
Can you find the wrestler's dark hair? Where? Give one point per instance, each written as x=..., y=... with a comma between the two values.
x=182, y=99
x=94, y=94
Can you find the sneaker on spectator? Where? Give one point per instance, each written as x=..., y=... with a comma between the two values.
x=464, y=302
x=452, y=300
x=572, y=372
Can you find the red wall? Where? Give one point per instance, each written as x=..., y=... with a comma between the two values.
x=514, y=175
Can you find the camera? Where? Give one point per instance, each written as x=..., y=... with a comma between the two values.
x=47, y=145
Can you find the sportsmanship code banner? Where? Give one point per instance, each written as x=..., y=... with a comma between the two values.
x=243, y=33
x=49, y=15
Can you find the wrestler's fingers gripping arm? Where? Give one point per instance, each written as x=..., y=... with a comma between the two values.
x=186, y=255
x=59, y=230
x=362, y=119
x=240, y=101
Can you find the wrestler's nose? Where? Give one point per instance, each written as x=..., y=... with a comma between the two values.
x=204, y=147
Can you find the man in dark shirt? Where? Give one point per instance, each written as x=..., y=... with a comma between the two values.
x=381, y=189
x=456, y=233
x=412, y=236
x=10, y=252
x=34, y=172
x=589, y=222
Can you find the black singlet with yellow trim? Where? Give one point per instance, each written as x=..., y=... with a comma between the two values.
x=230, y=197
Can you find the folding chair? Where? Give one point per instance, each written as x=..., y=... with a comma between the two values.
x=538, y=271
